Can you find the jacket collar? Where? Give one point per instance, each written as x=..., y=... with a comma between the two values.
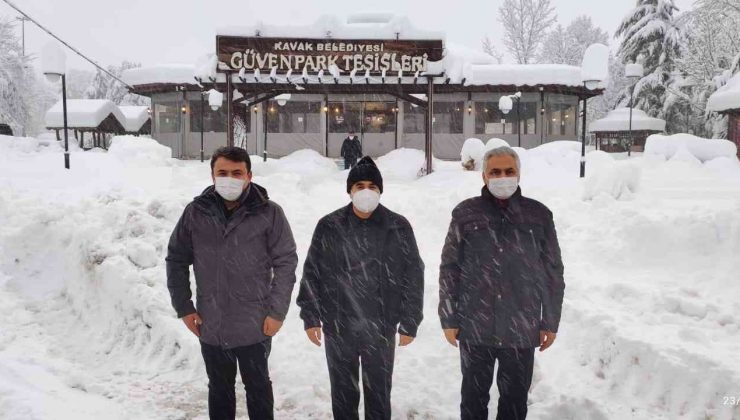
x=513, y=201
x=379, y=216
x=252, y=198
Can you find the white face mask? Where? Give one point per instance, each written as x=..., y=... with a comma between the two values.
x=229, y=188
x=366, y=200
x=503, y=188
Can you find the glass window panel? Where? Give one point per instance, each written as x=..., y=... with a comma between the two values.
x=413, y=118
x=293, y=117
x=168, y=117
x=560, y=114
x=213, y=121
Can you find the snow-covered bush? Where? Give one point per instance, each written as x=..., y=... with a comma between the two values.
x=700, y=148
x=472, y=153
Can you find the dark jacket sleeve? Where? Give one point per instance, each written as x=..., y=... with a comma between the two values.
x=552, y=302
x=449, y=275
x=359, y=148
x=179, y=258
x=309, y=297
x=282, y=250
x=412, y=294
x=344, y=150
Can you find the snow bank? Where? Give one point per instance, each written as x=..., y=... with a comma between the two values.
x=304, y=163
x=10, y=145
x=619, y=120
x=140, y=151
x=402, y=164
x=618, y=180
x=700, y=148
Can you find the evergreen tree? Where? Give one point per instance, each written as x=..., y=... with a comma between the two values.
x=651, y=35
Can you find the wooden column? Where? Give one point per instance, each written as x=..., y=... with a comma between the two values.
x=229, y=110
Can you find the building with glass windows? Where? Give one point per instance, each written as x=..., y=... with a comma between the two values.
x=292, y=88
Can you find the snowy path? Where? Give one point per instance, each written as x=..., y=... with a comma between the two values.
x=650, y=325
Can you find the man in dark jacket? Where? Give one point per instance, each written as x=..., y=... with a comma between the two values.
x=501, y=288
x=244, y=259
x=363, y=281
x=351, y=150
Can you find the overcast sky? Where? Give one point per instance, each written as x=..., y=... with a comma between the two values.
x=177, y=31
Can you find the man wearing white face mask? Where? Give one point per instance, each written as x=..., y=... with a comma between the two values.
x=363, y=282
x=500, y=288
x=244, y=258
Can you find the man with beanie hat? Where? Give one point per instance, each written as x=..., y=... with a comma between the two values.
x=363, y=282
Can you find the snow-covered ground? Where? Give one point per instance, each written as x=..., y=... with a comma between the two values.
x=651, y=318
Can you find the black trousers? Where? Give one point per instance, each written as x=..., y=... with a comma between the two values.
x=345, y=354
x=513, y=380
x=221, y=367
x=350, y=162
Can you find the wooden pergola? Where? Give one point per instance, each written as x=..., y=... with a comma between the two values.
x=109, y=125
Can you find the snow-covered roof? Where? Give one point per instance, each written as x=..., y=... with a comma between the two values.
x=135, y=117
x=619, y=120
x=727, y=97
x=460, y=64
x=164, y=73
x=358, y=26
x=83, y=113
x=524, y=75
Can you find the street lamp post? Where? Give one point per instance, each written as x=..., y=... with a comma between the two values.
x=633, y=72
x=215, y=100
x=53, y=65
x=505, y=105
x=589, y=84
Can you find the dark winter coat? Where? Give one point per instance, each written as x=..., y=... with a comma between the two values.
x=326, y=270
x=244, y=266
x=351, y=148
x=501, y=276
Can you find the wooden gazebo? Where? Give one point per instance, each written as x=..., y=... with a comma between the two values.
x=96, y=116
x=615, y=134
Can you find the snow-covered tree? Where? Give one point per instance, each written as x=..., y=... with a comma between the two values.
x=491, y=50
x=567, y=45
x=651, y=35
x=77, y=83
x=712, y=56
x=526, y=23
x=104, y=86
x=23, y=96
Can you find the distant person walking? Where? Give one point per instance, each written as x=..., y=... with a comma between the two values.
x=351, y=150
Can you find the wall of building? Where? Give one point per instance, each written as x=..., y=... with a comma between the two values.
x=321, y=122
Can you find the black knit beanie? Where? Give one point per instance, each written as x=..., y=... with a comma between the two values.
x=365, y=170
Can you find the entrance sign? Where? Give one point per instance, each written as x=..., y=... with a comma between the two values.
x=284, y=54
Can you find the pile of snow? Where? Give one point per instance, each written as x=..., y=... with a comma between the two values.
x=140, y=151
x=618, y=180
x=727, y=97
x=472, y=153
x=10, y=145
x=402, y=164
x=686, y=146
x=303, y=163
x=92, y=333
x=83, y=113
x=619, y=120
